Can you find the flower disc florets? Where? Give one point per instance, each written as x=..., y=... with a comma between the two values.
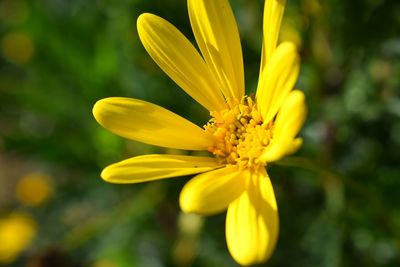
x=240, y=134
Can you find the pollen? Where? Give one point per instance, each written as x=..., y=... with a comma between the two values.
x=240, y=134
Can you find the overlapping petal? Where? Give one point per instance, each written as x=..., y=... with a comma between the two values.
x=273, y=13
x=252, y=222
x=277, y=79
x=177, y=57
x=212, y=192
x=217, y=35
x=288, y=123
x=153, y=167
x=149, y=123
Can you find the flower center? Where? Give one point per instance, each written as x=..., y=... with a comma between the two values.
x=240, y=134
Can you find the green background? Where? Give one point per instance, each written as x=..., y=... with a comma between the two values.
x=338, y=197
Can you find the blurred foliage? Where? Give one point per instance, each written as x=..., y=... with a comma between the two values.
x=339, y=204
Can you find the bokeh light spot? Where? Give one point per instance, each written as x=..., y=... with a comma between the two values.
x=16, y=233
x=34, y=189
x=17, y=47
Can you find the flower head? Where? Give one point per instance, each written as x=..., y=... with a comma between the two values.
x=243, y=135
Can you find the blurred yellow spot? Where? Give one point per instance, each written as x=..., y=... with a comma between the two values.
x=186, y=247
x=321, y=48
x=34, y=189
x=104, y=263
x=185, y=251
x=173, y=151
x=381, y=70
x=290, y=34
x=190, y=224
x=313, y=7
x=17, y=47
x=13, y=11
x=16, y=233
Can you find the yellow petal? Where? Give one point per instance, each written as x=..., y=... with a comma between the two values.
x=152, y=167
x=273, y=13
x=252, y=223
x=217, y=35
x=277, y=79
x=177, y=57
x=149, y=123
x=288, y=123
x=294, y=146
x=212, y=192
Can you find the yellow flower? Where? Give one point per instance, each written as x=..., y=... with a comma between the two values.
x=16, y=233
x=244, y=133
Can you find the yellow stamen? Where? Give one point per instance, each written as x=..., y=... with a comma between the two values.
x=240, y=134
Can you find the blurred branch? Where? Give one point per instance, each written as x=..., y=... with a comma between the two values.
x=375, y=202
x=131, y=209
